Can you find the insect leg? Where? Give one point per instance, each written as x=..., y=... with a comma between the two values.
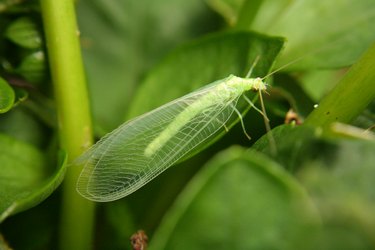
x=242, y=123
x=225, y=127
x=253, y=106
x=266, y=122
x=268, y=127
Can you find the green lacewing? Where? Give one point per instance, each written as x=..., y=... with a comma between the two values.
x=140, y=149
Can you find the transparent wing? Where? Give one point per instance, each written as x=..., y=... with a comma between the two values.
x=117, y=165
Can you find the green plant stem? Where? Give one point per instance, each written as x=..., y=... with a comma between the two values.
x=74, y=121
x=350, y=96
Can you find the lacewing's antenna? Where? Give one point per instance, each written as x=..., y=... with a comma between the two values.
x=283, y=67
x=312, y=52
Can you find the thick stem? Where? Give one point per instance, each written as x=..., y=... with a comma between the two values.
x=350, y=96
x=74, y=121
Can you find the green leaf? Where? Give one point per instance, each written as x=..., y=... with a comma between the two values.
x=343, y=191
x=240, y=200
x=350, y=172
x=24, y=32
x=204, y=61
x=24, y=178
x=338, y=173
x=123, y=39
x=33, y=67
x=329, y=34
x=326, y=34
x=7, y=96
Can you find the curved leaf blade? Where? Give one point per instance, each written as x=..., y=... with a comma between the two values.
x=241, y=200
x=24, y=181
x=24, y=32
x=7, y=96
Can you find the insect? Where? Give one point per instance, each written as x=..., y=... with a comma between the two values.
x=139, y=150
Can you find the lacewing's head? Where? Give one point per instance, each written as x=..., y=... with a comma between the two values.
x=257, y=84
